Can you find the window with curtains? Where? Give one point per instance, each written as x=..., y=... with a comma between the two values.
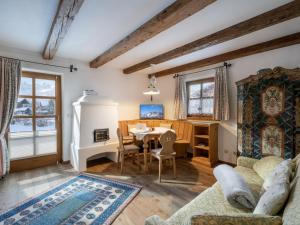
x=200, y=98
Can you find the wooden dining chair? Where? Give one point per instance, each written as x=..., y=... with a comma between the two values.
x=124, y=150
x=165, y=152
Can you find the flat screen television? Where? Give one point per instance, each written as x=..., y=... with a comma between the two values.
x=151, y=111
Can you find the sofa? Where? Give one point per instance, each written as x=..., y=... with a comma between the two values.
x=211, y=208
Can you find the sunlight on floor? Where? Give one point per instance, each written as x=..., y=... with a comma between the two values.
x=39, y=178
x=118, y=177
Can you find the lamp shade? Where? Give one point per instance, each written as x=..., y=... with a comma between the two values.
x=151, y=89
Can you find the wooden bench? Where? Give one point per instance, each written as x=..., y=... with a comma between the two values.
x=123, y=124
x=184, y=131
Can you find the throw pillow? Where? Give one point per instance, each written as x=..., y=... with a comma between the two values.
x=271, y=202
x=266, y=165
x=281, y=173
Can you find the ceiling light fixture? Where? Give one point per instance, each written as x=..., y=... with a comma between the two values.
x=152, y=89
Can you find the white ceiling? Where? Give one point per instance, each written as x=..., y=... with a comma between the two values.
x=25, y=24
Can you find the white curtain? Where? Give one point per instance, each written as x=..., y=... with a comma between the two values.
x=180, y=98
x=221, y=102
x=10, y=76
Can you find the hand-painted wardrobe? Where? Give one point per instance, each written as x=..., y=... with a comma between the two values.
x=268, y=119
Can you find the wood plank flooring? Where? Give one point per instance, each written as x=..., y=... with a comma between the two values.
x=162, y=199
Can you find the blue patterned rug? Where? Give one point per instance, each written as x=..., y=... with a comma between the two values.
x=85, y=199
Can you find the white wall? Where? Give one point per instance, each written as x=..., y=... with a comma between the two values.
x=288, y=57
x=126, y=90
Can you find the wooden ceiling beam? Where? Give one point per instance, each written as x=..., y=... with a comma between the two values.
x=278, y=15
x=64, y=17
x=170, y=16
x=242, y=52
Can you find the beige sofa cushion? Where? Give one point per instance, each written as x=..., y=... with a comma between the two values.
x=271, y=202
x=236, y=219
x=282, y=173
x=291, y=213
x=266, y=165
x=246, y=162
x=212, y=199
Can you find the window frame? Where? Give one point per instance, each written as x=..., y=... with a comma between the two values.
x=201, y=115
x=39, y=160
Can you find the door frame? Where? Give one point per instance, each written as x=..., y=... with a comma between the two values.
x=37, y=161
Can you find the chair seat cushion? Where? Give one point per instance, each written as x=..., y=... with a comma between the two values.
x=181, y=141
x=157, y=151
x=129, y=137
x=127, y=142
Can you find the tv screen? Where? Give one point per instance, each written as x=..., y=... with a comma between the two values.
x=153, y=111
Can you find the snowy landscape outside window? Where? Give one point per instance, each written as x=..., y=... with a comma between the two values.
x=200, y=97
x=33, y=128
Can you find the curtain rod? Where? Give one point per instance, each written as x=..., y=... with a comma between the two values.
x=71, y=67
x=224, y=65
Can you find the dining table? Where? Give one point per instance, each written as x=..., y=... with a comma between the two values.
x=145, y=135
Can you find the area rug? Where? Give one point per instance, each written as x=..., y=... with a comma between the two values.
x=85, y=199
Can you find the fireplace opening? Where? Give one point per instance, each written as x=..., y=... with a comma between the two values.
x=101, y=135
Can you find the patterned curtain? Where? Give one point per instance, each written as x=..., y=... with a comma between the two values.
x=180, y=98
x=10, y=75
x=221, y=102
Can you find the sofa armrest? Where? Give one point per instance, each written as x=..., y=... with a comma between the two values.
x=235, y=219
x=155, y=220
x=246, y=161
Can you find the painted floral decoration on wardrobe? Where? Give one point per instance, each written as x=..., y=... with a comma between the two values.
x=272, y=101
x=272, y=140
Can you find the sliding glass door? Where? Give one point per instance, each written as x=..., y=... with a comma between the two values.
x=35, y=130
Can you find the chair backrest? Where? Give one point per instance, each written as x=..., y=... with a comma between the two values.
x=120, y=137
x=167, y=142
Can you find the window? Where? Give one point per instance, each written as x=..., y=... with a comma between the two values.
x=34, y=127
x=200, y=97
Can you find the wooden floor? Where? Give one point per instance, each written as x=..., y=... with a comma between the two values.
x=162, y=199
